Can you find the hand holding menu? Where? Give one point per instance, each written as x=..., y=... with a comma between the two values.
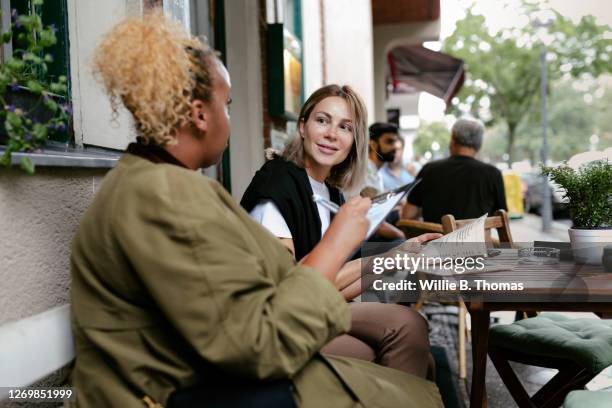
x=381, y=205
x=384, y=203
x=467, y=241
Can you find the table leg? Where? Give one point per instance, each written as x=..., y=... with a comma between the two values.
x=480, y=342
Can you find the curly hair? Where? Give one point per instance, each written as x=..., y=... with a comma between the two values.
x=155, y=69
x=351, y=172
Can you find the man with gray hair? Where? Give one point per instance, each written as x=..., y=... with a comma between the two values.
x=460, y=185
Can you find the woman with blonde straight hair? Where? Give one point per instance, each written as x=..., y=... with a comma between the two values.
x=349, y=173
x=330, y=154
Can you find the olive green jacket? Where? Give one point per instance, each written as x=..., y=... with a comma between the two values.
x=172, y=280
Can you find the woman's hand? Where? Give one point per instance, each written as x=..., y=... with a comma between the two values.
x=429, y=236
x=414, y=245
x=350, y=223
x=347, y=230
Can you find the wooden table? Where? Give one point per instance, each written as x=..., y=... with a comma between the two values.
x=564, y=287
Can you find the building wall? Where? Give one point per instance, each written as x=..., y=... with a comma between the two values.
x=244, y=66
x=312, y=42
x=339, y=48
x=40, y=214
x=349, y=47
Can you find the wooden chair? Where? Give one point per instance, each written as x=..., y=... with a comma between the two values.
x=413, y=228
x=499, y=222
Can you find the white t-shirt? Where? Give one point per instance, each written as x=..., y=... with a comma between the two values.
x=267, y=213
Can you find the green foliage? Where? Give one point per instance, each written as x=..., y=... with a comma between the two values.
x=589, y=191
x=571, y=122
x=503, y=69
x=26, y=72
x=429, y=133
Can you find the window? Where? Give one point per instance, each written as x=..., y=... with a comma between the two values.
x=52, y=13
x=81, y=24
x=178, y=10
x=285, y=67
x=89, y=21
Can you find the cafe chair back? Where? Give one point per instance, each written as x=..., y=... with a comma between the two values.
x=501, y=223
x=414, y=228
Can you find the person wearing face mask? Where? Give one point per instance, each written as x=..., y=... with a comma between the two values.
x=381, y=150
x=394, y=174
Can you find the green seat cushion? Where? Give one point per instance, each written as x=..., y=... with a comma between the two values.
x=587, y=342
x=590, y=399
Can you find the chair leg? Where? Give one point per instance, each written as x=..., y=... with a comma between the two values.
x=468, y=331
x=461, y=330
x=570, y=377
x=480, y=345
x=554, y=392
x=513, y=384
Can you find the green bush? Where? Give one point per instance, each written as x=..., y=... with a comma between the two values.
x=26, y=72
x=589, y=191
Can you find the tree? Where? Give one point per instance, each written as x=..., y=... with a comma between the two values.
x=427, y=134
x=573, y=117
x=503, y=68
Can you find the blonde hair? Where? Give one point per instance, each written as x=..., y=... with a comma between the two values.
x=156, y=69
x=351, y=172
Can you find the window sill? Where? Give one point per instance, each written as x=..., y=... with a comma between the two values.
x=58, y=155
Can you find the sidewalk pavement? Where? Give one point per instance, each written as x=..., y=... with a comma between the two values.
x=529, y=229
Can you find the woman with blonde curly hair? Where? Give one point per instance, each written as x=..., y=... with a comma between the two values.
x=178, y=298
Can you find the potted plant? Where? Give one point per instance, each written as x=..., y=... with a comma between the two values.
x=32, y=103
x=589, y=191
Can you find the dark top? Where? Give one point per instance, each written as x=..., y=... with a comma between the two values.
x=459, y=185
x=287, y=186
x=153, y=152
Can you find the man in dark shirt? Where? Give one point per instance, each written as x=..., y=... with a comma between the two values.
x=460, y=185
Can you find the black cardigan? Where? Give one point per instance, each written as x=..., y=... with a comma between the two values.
x=287, y=186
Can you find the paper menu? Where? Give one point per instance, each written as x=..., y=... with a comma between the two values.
x=384, y=203
x=379, y=211
x=453, y=245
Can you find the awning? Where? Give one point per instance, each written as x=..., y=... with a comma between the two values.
x=414, y=68
x=404, y=11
